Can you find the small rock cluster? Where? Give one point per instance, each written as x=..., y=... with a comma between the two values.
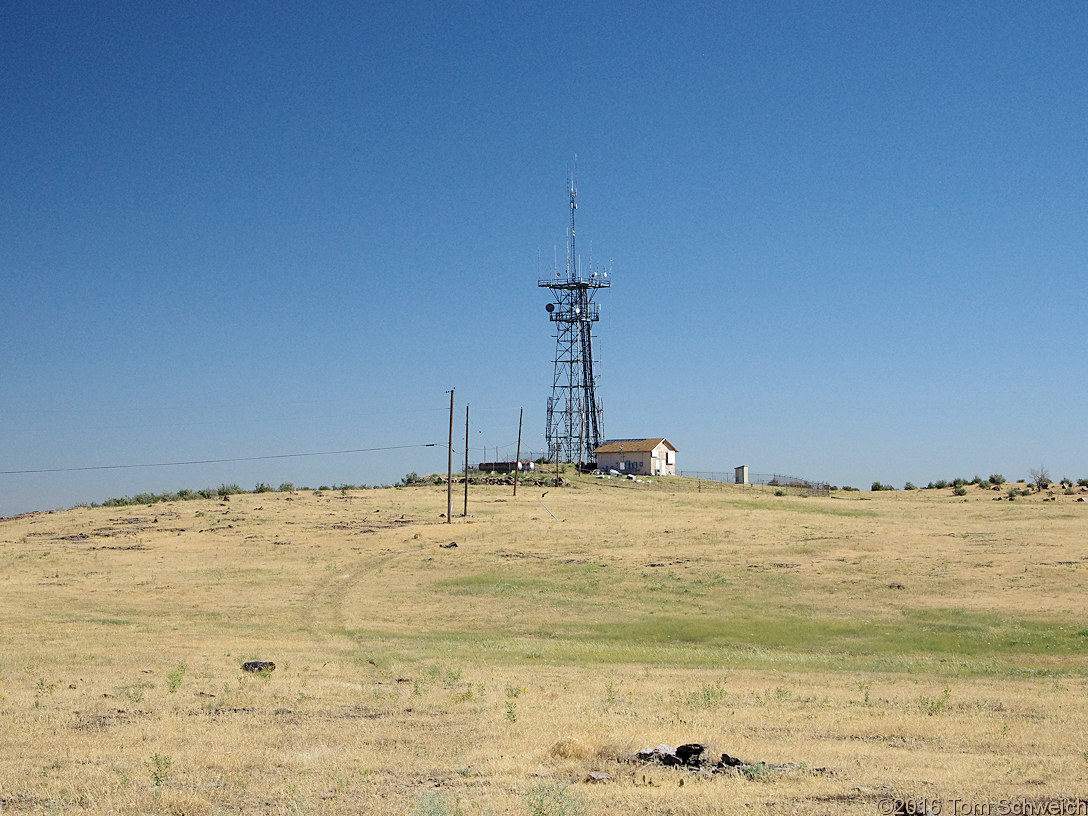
x=692, y=757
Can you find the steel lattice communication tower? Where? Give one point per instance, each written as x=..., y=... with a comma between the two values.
x=575, y=416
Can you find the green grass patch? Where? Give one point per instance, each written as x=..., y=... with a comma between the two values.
x=496, y=585
x=562, y=583
x=943, y=642
x=935, y=633
x=807, y=507
x=956, y=631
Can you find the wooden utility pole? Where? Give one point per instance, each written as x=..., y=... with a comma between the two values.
x=517, y=459
x=466, y=460
x=449, y=468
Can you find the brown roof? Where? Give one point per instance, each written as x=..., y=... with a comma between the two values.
x=635, y=445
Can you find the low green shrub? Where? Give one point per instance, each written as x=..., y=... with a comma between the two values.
x=436, y=804
x=552, y=799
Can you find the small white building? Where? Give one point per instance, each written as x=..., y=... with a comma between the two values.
x=642, y=457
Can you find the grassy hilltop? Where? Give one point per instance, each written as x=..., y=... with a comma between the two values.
x=916, y=644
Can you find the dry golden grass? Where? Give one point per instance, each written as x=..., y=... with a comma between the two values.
x=907, y=644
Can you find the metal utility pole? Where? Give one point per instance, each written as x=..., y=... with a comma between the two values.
x=466, y=460
x=517, y=458
x=575, y=416
x=449, y=468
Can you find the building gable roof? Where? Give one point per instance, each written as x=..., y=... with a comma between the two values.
x=632, y=445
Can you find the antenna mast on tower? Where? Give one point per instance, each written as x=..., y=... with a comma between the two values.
x=575, y=416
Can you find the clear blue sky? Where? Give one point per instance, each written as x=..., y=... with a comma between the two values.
x=849, y=239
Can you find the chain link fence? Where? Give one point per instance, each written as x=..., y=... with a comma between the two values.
x=764, y=480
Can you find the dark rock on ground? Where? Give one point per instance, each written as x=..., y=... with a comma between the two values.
x=691, y=757
x=689, y=754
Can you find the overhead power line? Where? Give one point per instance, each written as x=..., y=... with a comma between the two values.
x=217, y=461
